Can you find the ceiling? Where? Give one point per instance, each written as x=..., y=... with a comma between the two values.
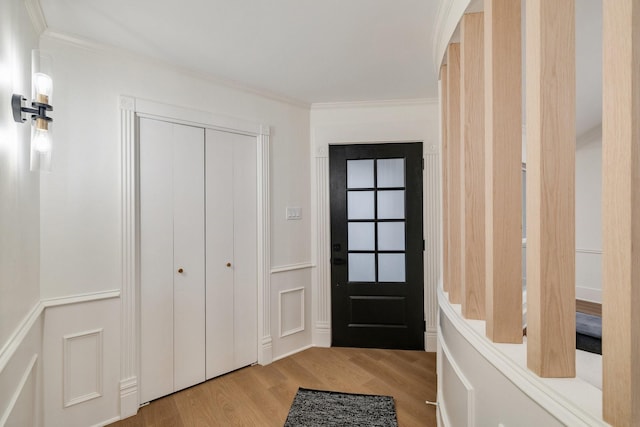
x=306, y=50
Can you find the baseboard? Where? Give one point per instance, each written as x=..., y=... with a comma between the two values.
x=322, y=336
x=291, y=353
x=431, y=341
x=265, y=353
x=107, y=422
x=589, y=294
x=129, y=397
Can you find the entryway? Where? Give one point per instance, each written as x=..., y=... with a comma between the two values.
x=377, y=274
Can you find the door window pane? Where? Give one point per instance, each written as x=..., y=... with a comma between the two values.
x=360, y=205
x=391, y=236
x=391, y=204
x=359, y=173
x=361, y=236
x=390, y=173
x=362, y=268
x=391, y=268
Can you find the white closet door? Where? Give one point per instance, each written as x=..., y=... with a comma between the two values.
x=156, y=259
x=172, y=238
x=245, y=252
x=188, y=255
x=219, y=228
x=231, y=257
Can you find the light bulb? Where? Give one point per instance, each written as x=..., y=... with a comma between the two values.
x=41, y=141
x=43, y=86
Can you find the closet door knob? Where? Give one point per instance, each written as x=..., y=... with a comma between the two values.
x=180, y=270
x=228, y=264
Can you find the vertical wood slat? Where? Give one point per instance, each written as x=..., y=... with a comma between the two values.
x=453, y=161
x=445, y=181
x=551, y=138
x=621, y=212
x=503, y=156
x=472, y=164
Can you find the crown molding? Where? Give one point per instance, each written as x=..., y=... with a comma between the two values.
x=449, y=14
x=36, y=15
x=374, y=104
x=94, y=46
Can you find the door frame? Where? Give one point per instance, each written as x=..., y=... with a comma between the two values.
x=321, y=230
x=131, y=109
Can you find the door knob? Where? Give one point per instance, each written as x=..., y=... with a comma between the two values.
x=228, y=264
x=180, y=270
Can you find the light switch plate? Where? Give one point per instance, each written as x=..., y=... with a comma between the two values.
x=294, y=213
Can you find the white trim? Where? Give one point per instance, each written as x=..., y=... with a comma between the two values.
x=22, y=330
x=431, y=340
x=471, y=410
x=589, y=294
x=19, y=334
x=130, y=109
x=107, y=422
x=79, y=298
x=265, y=349
x=449, y=15
x=553, y=402
x=299, y=328
x=36, y=15
x=292, y=267
x=442, y=410
x=291, y=353
x=67, y=339
x=18, y=391
x=373, y=104
x=101, y=48
x=193, y=117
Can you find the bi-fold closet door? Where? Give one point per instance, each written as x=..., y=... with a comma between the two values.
x=198, y=293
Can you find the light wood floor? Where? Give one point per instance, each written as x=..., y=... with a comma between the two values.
x=262, y=395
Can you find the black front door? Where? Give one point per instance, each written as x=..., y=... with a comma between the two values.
x=377, y=291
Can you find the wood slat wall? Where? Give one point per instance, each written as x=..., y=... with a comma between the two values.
x=446, y=263
x=551, y=138
x=503, y=156
x=453, y=160
x=621, y=212
x=472, y=165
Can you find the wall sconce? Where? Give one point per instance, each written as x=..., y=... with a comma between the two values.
x=42, y=89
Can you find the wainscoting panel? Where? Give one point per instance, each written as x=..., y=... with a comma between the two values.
x=291, y=308
x=83, y=367
x=457, y=405
x=81, y=363
x=21, y=373
x=291, y=313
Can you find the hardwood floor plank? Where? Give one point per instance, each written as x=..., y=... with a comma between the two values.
x=262, y=395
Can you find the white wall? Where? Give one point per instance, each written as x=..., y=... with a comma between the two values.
x=81, y=204
x=370, y=122
x=81, y=198
x=589, y=216
x=19, y=188
x=20, y=333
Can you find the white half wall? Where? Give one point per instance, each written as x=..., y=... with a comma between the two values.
x=372, y=122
